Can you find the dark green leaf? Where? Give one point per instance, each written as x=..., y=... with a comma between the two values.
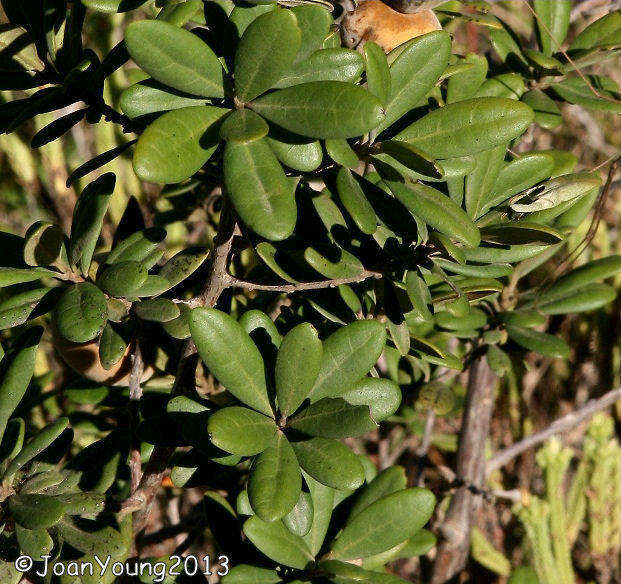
x=531, y=340
x=81, y=312
x=302, y=156
x=182, y=265
x=245, y=574
x=122, y=279
x=300, y=519
x=605, y=32
x=157, y=310
x=381, y=395
x=388, y=481
x=243, y=126
x=340, y=151
x=314, y=22
x=353, y=199
x=35, y=511
x=33, y=542
x=553, y=23
x=465, y=85
x=325, y=65
x=378, y=72
x=583, y=300
x=112, y=347
x=149, y=97
x=606, y=96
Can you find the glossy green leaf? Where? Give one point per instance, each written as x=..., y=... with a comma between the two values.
x=380, y=526
x=415, y=72
x=88, y=216
x=182, y=265
x=245, y=574
x=323, y=503
x=348, y=355
x=475, y=271
x=412, y=158
x=507, y=85
x=175, y=57
x=149, y=97
x=325, y=65
x=112, y=346
x=480, y=182
x=437, y=210
x=323, y=109
x=300, y=519
x=243, y=126
x=44, y=245
x=547, y=113
x=543, y=343
x=341, y=152
x=240, y=430
x=302, y=156
x=293, y=383
x=388, y=481
x=275, y=483
x=33, y=542
x=330, y=462
x=181, y=12
x=333, y=418
x=138, y=247
x=179, y=328
x=37, y=444
x=242, y=371
x=113, y=5
x=277, y=543
x=122, y=279
x=504, y=42
x=16, y=370
x=589, y=298
x=523, y=318
x=474, y=320
x=576, y=90
x=259, y=189
x=450, y=131
x=552, y=23
x=504, y=255
x=12, y=439
x=157, y=310
x=266, y=50
x=345, y=265
x=35, y=511
x=378, y=72
x=515, y=233
x=177, y=144
x=465, y=85
x=355, y=202
x=604, y=32
x=314, y=22
x=81, y=312
x=383, y=396
x=346, y=573
x=83, y=503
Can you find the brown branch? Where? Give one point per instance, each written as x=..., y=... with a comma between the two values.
x=563, y=424
x=135, y=394
x=301, y=286
x=423, y=449
x=457, y=525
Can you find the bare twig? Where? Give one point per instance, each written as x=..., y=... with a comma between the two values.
x=457, y=526
x=563, y=424
x=135, y=394
x=423, y=449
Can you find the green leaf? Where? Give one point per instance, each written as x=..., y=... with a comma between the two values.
x=582, y=277
x=177, y=144
x=355, y=202
x=323, y=109
x=16, y=370
x=293, y=383
x=348, y=355
x=259, y=189
x=33, y=542
x=35, y=511
x=543, y=343
x=523, y=318
x=303, y=156
x=333, y=418
x=507, y=85
x=388, y=481
x=605, y=32
x=412, y=158
x=523, y=575
x=157, y=310
x=37, y=444
x=576, y=90
x=82, y=503
x=277, y=543
x=182, y=265
x=243, y=126
x=240, y=371
x=113, y=5
x=344, y=265
x=504, y=42
x=465, y=85
x=378, y=72
x=181, y=12
x=12, y=439
x=11, y=276
x=325, y=65
x=330, y=462
x=122, y=279
x=415, y=72
x=44, y=245
x=383, y=396
x=88, y=216
x=515, y=233
x=81, y=312
x=437, y=210
x=552, y=23
x=590, y=298
x=266, y=50
x=547, y=113
x=475, y=320
x=341, y=152
x=138, y=247
x=175, y=57
x=240, y=430
x=314, y=22
x=504, y=255
x=257, y=321
x=323, y=503
x=300, y=519
x=245, y=574
x=149, y=97
x=380, y=526
x=345, y=573
x=475, y=271
x=450, y=131
x=112, y=347
x=480, y=181
x=275, y=483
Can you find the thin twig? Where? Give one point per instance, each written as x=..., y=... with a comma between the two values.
x=423, y=449
x=135, y=394
x=563, y=424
